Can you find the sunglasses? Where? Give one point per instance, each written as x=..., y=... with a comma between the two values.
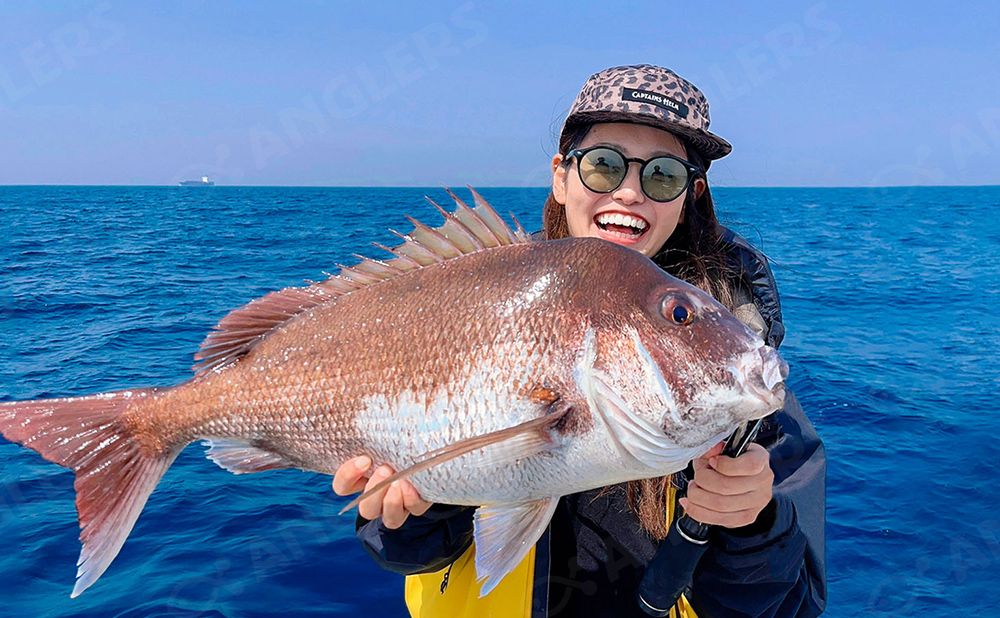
x=603, y=169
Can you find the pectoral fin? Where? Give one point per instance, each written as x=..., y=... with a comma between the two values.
x=519, y=441
x=504, y=533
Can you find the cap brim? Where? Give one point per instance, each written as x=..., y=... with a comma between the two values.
x=709, y=145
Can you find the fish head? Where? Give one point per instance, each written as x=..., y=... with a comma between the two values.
x=674, y=362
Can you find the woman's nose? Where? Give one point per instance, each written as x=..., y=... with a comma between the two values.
x=630, y=191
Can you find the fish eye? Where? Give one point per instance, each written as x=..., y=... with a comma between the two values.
x=677, y=311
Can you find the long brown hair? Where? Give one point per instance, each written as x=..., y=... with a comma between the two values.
x=695, y=253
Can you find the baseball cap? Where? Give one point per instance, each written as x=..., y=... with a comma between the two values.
x=650, y=95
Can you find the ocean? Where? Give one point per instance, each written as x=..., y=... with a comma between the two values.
x=890, y=298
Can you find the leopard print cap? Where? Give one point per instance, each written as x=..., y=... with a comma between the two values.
x=650, y=95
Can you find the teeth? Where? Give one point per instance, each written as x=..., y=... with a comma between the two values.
x=617, y=218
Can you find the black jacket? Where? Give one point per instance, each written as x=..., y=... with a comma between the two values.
x=590, y=560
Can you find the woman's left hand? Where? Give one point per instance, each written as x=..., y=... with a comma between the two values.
x=729, y=492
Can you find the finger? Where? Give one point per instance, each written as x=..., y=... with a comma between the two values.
x=701, y=462
x=753, y=461
x=754, y=500
x=714, y=451
x=412, y=501
x=393, y=513
x=715, y=518
x=699, y=465
x=717, y=483
x=371, y=507
x=351, y=476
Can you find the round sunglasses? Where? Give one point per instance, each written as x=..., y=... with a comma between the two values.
x=603, y=169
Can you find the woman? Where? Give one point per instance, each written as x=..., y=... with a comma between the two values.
x=631, y=169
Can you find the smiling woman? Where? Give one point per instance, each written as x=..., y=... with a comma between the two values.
x=632, y=170
x=607, y=201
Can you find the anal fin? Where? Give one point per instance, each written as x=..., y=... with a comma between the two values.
x=504, y=533
x=241, y=457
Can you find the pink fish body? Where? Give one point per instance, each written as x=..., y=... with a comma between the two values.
x=491, y=370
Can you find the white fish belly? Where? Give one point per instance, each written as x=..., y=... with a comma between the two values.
x=402, y=428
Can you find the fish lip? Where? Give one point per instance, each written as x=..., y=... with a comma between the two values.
x=763, y=373
x=771, y=400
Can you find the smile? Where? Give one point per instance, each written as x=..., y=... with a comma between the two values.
x=620, y=226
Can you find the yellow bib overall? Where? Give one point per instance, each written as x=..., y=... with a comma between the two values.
x=453, y=592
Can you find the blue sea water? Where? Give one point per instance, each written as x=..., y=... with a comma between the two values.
x=890, y=302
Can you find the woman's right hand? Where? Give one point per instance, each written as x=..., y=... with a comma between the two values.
x=393, y=503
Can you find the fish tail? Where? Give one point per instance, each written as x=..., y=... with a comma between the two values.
x=114, y=472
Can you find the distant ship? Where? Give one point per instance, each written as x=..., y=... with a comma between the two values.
x=204, y=182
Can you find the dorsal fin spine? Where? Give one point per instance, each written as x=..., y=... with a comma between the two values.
x=356, y=275
x=410, y=243
x=405, y=258
x=474, y=221
x=434, y=240
x=519, y=232
x=459, y=227
x=338, y=285
x=454, y=196
x=492, y=219
x=378, y=265
x=478, y=226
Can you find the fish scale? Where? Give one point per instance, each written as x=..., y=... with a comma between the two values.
x=488, y=369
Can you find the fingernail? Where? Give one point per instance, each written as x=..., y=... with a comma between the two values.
x=362, y=463
x=683, y=502
x=713, y=461
x=394, y=484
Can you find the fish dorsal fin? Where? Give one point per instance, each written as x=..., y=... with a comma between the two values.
x=240, y=331
x=465, y=230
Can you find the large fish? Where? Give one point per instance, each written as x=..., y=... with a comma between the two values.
x=489, y=369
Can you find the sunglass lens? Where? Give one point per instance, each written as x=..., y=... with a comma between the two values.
x=602, y=169
x=664, y=179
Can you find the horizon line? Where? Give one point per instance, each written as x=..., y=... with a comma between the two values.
x=477, y=187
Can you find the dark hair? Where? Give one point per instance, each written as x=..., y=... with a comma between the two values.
x=695, y=253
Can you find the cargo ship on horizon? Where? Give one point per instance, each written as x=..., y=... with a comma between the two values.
x=204, y=182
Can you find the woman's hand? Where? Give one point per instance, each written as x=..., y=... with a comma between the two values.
x=394, y=502
x=730, y=492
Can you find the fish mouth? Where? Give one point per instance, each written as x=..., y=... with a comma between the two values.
x=620, y=226
x=762, y=372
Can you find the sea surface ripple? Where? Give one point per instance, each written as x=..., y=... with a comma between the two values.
x=890, y=302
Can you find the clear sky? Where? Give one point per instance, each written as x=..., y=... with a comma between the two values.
x=429, y=94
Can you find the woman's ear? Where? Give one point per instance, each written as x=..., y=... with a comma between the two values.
x=559, y=179
x=699, y=187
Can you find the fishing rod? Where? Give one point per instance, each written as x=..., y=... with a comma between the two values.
x=671, y=568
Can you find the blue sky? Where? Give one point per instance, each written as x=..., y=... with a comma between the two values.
x=330, y=93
